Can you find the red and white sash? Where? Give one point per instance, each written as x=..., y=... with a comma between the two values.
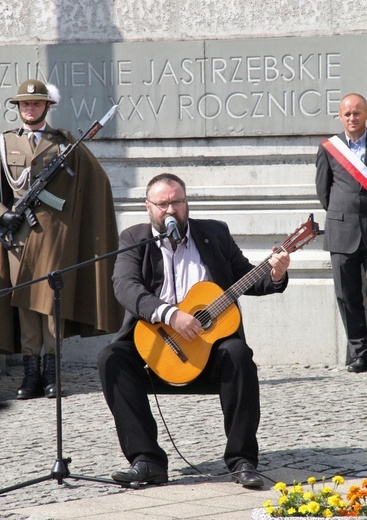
x=347, y=159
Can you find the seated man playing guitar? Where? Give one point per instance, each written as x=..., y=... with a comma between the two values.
x=181, y=320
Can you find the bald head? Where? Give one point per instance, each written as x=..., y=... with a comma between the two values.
x=353, y=115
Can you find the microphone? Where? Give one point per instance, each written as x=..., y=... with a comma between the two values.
x=172, y=231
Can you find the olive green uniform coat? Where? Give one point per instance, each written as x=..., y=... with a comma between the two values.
x=85, y=229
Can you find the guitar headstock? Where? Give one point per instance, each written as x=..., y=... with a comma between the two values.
x=302, y=235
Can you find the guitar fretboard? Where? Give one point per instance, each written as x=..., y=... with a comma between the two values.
x=231, y=295
x=297, y=240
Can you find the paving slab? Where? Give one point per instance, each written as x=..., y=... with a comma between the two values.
x=313, y=424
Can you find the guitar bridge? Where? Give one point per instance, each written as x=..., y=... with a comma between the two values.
x=172, y=344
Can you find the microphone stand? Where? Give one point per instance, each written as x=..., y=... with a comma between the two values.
x=60, y=469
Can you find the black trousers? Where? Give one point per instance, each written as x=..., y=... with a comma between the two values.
x=349, y=290
x=230, y=366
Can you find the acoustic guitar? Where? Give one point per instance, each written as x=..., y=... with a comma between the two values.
x=178, y=361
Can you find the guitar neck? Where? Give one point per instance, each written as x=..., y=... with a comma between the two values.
x=231, y=295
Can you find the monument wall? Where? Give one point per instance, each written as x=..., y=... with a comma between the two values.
x=233, y=97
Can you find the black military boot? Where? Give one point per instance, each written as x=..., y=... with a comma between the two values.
x=49, y=375
x=32, y=383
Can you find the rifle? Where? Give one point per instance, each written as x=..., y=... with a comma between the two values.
x=36, y=193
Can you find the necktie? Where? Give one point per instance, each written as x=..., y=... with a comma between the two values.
x=32, y=141
x=173, y=243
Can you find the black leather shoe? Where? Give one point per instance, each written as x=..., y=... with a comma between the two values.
x=50, y=391
x=358, y=365
x=142, y=471
x=31, y=386
x=49, y=375
x=247, y=475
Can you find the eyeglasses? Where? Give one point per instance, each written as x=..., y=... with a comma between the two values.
x=163, y=206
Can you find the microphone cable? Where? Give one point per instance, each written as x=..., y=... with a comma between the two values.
x=192, y=466
x=347, y=473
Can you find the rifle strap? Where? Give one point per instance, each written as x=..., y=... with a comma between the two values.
x=15, y=184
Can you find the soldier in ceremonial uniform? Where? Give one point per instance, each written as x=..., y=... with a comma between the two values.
x=85, y=227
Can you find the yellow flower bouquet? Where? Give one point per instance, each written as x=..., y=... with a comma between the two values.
x=326, y=502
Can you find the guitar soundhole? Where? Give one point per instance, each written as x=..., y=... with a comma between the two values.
x=204, y=318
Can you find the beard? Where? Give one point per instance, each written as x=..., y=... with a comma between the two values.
x=160, y=226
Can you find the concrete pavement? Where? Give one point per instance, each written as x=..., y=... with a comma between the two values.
x=313, y=424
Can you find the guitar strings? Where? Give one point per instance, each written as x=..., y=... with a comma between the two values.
x=216, y=307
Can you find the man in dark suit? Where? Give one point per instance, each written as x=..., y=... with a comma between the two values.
x=149, y=281
x=341, y=187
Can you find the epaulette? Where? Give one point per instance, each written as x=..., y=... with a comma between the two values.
x=65, y=133
x=12, y=131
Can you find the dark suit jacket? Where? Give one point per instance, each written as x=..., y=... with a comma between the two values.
x=138, y=273
x=344, y=200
